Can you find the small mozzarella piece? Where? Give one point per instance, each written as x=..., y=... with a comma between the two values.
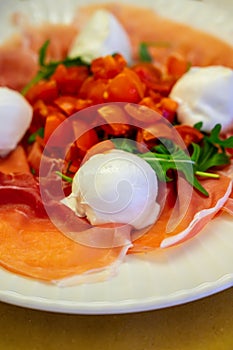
x=15, y=118
x=102, y=35
x=205, y=94
x=115, y=187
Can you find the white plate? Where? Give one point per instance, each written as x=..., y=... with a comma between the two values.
x=195, y=269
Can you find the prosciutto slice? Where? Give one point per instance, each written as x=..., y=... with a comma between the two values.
x=31, y=245
x=228, y=205
x=194, y=216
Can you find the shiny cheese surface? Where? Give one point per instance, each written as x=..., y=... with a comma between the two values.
x=115, y=187
x=15, y=118
x=102, y=35
x=205, y=94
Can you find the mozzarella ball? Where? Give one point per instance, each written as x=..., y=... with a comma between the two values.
x=102, y=35
x=15, y=118
x=115, y=187
x=205, y=94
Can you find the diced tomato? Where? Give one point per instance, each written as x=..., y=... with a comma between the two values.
x=70, y=79
x=52, y=122
x=168, y=108
x=108, y=67
x=94, y=89
x=100, y=147
x=148, y=74
x=46, y=91
x=72, y=160
x=125, y=87
x=142, y=114
x=117, y=121
x=67, y=104
x=40, y=108
x=71, y=104
x=149, y=102
x=87, y=138
x=40, y=112
x=152, y=133
x=177, y=65
x=34, y=157
x=189, y=134
x=82, y=104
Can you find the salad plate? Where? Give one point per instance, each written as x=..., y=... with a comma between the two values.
x=192, y=270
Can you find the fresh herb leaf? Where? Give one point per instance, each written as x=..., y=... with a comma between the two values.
x=125, y=145
x=39, y=76
x=166, y=157
x=211, y=153
x=198, y=126
x=46, y=70
x=204, y=174
x=64, y=177
x=42, y=53
x=32, y=137
x=214, y=138
x=210, y=157
x=178, y=161
x=144, y=54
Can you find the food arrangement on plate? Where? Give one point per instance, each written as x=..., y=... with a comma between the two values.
x=134, y=125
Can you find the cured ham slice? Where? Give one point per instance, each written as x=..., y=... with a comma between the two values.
x=19, y=56
x=190, y=219
x=32, y=246
x=228, y=205
x=18, y=65
x=21, y=188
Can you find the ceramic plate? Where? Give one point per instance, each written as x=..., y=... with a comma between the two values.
x=195, y=269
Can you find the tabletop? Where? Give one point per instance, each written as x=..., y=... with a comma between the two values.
x=205, y=324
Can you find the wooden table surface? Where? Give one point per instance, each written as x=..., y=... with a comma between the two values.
x=206, y=324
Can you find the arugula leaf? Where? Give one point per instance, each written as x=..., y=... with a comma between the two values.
x=198, y=126
x=42, y=53
x=143, y=51
x=208, y=156
x=178, y=161
x=144, y=54
x=211, y=152
x=214, y=138
x=126, y=145
x=166, y=157
x=32, y=137
x=39, y=76
x=64, y=177
x=46, y=70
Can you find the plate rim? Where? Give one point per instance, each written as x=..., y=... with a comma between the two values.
x=179, y=297
x=121, y=306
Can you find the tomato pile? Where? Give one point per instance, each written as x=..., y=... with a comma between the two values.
x=107, y=79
